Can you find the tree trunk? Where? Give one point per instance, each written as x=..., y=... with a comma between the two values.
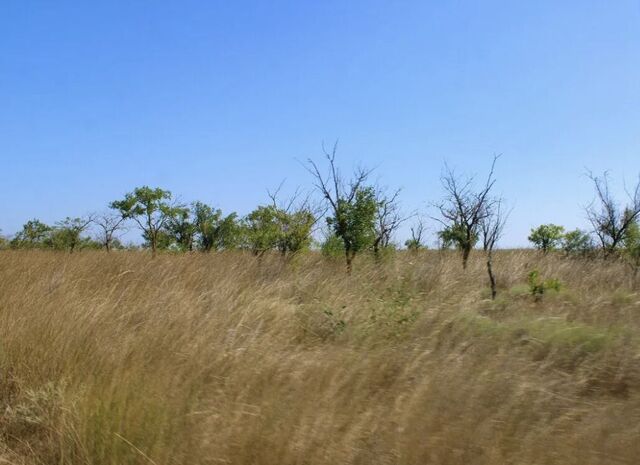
x=465, y=256
x=492, y=279
x=349, y=257
x=154, y=241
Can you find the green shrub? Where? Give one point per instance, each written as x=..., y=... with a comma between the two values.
x=538, y=286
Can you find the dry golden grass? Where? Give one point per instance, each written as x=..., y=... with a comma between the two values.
x=221, y=359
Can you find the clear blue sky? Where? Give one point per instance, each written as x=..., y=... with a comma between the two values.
x=216, y=100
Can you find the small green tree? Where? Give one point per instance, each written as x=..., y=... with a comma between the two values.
x=546, y=237
x=151, y=209
x=213, y=231
x=34, y=234
x=577, y=242
x=180, y=231
x=353, y=206
x=272, y=228
x=261, y=230
x=354, y=222
x=67, y=234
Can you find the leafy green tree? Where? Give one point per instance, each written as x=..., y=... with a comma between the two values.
x=67, y=233
x=546, y=237
x=261, y=230
x=34, y=234
x=214, y=231
x=353, y=206
x=354, y=222
x=272, y=228
x=151, y=209
x=180, y=231
x=577, y=242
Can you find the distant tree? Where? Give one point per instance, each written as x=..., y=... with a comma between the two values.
x=180, y=231
x=415, y=242
x=546, y=237
x=464, y=208
x=273, y=228
x=213, y=231
x=609, y=219
x=491, y=229
x=388, y=219
x=109, y=224
x=67, y=233
x=352, y=205
x=577, y=242
x=34, y=234
x=261, y=230
x=151, y=209
x=4, y=242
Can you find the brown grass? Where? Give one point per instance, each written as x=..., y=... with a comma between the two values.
x=221, y=359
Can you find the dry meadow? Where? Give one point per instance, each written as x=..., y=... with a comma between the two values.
x=121, y=359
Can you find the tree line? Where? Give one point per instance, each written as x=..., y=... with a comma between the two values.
x=355, y=216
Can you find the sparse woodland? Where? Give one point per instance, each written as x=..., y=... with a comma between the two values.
x=298, y=334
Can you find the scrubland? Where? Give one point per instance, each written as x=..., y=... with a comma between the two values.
x=227, y=359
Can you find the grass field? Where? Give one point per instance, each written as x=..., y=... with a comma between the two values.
x=224, y=359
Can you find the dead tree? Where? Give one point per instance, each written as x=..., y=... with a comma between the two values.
x=491, y=229
x=109, y=225
x=388, y=219
x=610, y=220
x=465, y=207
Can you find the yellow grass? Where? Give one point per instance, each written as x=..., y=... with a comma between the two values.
x=223, y=359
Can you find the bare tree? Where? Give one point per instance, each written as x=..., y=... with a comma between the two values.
x=465, y=207
x=491, y=229
x=109, y=225
x=388, y=218
x=352, y=204
x=611, y=221
x=417, y=231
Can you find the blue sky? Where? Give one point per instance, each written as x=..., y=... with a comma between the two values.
x=217, y=101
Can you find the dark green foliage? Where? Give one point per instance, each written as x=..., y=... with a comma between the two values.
x=354, y=221
x=213, y=231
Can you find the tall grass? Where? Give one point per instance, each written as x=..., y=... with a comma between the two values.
x=224, y=359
